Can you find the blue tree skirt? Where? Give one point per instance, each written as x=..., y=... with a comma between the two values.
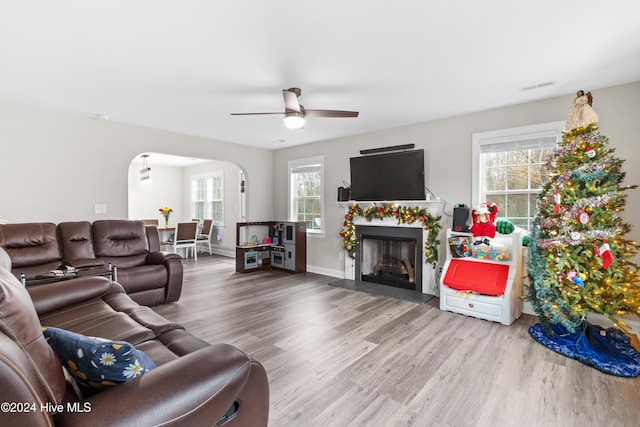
x=603, y=349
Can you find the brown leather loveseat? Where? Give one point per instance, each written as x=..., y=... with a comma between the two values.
x=148, y=275
x=193, y=384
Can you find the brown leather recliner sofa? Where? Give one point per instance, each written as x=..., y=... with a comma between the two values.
x=148, y=275
x=194, y=383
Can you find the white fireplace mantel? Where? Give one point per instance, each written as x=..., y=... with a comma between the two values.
x=435, y=207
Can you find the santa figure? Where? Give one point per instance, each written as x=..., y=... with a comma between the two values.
x=483, y=227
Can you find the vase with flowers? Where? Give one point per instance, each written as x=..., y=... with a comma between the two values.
x=166, y=212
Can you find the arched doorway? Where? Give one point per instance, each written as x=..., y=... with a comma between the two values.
x=192, y=188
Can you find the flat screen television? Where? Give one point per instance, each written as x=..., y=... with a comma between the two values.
x=388, y=176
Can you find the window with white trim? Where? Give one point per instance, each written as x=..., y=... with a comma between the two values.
x=207, y=197
x=509, y=168
x=306, y=187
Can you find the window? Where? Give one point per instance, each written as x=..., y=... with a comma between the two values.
x=306, y=188
x=509, y=168
x=207, y=197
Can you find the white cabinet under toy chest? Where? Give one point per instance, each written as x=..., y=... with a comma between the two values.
x=483, y=281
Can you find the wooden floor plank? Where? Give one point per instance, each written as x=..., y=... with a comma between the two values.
x=337, y=357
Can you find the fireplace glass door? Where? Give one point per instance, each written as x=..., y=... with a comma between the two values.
x=389, y=256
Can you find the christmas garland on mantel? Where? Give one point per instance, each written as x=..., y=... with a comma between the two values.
x=404, y=215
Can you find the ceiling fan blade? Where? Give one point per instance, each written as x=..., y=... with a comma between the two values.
x=290, y=100
x=329, y=113
x=252, y=114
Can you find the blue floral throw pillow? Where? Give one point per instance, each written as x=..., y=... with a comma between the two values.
x=97, y=363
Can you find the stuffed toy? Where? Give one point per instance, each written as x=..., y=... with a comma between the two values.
x=483, y=227
x=504, y=226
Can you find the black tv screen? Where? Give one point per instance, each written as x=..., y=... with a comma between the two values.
x=389, y=176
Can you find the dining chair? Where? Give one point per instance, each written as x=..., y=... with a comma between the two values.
x=199, y=221
x=204, y=238
x=185, y=237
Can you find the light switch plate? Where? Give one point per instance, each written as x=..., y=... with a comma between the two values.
x=101, y=208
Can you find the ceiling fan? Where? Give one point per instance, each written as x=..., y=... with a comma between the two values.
x=295, y=113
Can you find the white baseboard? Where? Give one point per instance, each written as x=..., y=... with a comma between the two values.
x=326, y=271
x=310, y=268
x=224, y=252
x=527, y=309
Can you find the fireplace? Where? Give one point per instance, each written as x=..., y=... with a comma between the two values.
x=389, y=256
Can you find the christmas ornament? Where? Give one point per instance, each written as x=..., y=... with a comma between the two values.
x=583, y=217
x=575, y=236
x=591, y=153
x=556, y=198
x=604, y=252
x=575, y=278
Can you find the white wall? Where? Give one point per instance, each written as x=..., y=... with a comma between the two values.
x=56, y=166
x=447, y=145
x=165, y=188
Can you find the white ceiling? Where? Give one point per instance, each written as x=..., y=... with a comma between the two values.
x=185, y=65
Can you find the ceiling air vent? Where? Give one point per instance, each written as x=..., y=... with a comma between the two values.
x=538, y=86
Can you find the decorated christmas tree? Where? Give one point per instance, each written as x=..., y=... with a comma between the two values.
x=579, y=258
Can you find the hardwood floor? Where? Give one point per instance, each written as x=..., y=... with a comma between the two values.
x=337, y=357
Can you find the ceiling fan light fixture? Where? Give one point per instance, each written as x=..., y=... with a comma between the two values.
x=294, y=120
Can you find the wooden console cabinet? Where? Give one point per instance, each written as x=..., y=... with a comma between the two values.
x=287, y=250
